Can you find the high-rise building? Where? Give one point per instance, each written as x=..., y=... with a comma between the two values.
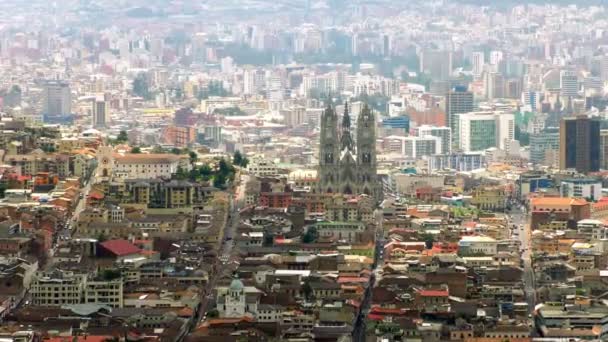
x=496, y=57
x=436, y=63
x=482, y=130
x=579, y=144
x=100, y=113
x=458, y=101
x=541, y=143
x=346, y=166
x=568, y=81
x=478, y=61
x=494, y=84
x=443, y=133
x=604, y=149
x=57, y=99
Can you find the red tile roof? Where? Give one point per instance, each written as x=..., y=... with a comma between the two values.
x=120, y=247
x=433, y=293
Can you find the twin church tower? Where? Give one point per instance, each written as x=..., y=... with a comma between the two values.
x=348, y=165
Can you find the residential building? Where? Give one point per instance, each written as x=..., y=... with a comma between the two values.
x=444, y=133
x=588, y=188
x=541, y=143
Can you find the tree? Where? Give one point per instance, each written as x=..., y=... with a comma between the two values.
x=224, y=168
x=136, y=149
x=140, y=86
x=429, y=239
x=307, y=289
x=237, y=159
x=176, y=150
x=193, y=157
x=311, y=235
x=205, y=172
x=181, y=173
x=122, y=137
x=245, y=162
x=219, y=181
x=213, y=313
x=101, y=237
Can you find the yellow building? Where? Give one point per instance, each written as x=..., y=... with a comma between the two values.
x=489, y=198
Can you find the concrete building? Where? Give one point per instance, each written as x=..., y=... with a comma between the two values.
x=58, y=288
x=57, y=100
x=542, y=142
x=457, y=101
x=456, y=161
x=478, y=61
x=477, y=245
x=579, y=144
x=588, y=188
x=604, y=149
x=414, y=147
x=482, y=130
x=444, y=133
x=100, y=114
x=568, y=81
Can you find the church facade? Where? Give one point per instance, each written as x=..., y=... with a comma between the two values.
x=347, y=163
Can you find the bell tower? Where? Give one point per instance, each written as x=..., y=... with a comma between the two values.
x=329, y=152
x=369, y=183
x=105, y=162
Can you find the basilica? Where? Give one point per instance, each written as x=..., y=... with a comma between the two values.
x=347, y=164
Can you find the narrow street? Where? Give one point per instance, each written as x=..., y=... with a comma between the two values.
x=522, y=232
x=225, y=249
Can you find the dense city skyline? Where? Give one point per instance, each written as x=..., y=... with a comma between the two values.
x=303, y=170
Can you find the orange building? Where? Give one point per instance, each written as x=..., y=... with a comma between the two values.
x=547, y=209
x=180, y=136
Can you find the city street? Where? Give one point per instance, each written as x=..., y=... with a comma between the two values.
x=226, y=247
x=522, y=226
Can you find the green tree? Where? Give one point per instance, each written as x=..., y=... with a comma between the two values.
x=181, y=173
x=237, y=159
x=140, y=86
x=213, y=313
x=224, y=168
x=429, y=239
x=307, y=290
x=176, y=150
x=193, y=157
x=136, y=149
x=311, y=235
x=245, y=162
x=205, y=172
x=101, y=237
x=122, y=137
x=219, y=181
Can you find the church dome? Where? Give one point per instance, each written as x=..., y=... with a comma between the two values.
x=236, y=285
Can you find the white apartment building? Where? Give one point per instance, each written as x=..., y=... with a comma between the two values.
x=261, y=167
x=484, y=245
x=64, y=287
x=145, y=165
x=444, y=133
x=414, y=147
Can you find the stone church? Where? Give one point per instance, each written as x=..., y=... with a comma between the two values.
x=347, y=164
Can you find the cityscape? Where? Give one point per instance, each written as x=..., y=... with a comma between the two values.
x=303, y=170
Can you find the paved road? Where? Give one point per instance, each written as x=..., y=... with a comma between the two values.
x=520, y=219
x=360, y=326
x=226, y=248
